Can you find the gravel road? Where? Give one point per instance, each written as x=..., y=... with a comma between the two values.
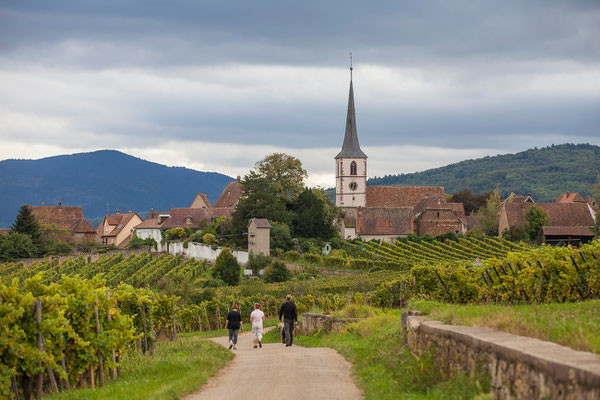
x=281, y=373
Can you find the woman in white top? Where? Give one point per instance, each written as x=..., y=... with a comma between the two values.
x=256, y=319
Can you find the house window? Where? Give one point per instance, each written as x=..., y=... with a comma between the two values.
x=438, y=215
x=353, y=168
x=188, y=220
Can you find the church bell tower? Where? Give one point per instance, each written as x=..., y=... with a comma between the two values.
x=351, y=164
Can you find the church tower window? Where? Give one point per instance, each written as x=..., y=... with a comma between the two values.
x=353, y=168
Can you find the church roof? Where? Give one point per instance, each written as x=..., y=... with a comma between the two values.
x=351, y=148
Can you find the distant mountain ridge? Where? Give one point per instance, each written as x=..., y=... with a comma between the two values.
x=93, y=180
x=545, y=173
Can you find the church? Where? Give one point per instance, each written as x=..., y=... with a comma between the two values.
x=387, y=212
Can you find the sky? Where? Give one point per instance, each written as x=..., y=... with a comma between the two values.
x=216, y=86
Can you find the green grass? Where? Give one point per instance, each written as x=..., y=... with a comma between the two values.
x=386, y=368
x=576, y=325
x=177, y=368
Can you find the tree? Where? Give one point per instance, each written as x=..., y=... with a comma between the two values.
x=280, y=237
x=277, y=272
x=268, y=191
x=536, y=219
x=226, y=268
x=471, y=201
x=16, y=245
x=27, y=224
x=283, y=171
x=489, y=223
x=313, y=218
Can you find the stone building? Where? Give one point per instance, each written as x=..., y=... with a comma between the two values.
x=68, y=218
x=259, y=236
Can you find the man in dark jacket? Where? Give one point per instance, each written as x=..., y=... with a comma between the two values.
x=290, y=317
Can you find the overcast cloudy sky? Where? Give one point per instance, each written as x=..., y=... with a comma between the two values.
x=216, y=85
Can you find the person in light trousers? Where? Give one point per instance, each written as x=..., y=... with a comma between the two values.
x=256, y=319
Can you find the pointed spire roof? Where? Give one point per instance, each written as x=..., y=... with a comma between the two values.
x=351, y=148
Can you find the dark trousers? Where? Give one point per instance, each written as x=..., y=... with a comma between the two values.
x=288, y=331
x=233, y=334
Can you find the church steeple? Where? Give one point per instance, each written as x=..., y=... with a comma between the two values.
x=351, y=148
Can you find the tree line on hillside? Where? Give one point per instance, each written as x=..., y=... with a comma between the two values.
x=545, y=172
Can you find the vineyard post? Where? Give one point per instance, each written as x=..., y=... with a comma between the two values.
x=38, y=320
x=65, y=382
x=173, y=319
x=49, y=371
x=581, y=277
x=113, y=371
x=206, y=315
x=335, y=301
x=118, y=355
x=198, y=321
x=218, y=312
x=145, y=328
x=100, y=359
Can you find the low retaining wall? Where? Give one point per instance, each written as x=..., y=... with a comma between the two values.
x=311, y=323
x=519, y=367
x=203, y=252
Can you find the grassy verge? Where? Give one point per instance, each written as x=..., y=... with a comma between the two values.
x=385, y=367
x=177, y=368
x=576, y=325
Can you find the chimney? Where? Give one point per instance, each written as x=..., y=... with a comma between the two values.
x=239, y=178
x=529, y=194
x=129, y=211
x=118, y=211
x=43, y=203
x=60, y=203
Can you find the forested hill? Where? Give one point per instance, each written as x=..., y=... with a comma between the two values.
x=545, y=172
x=93, y=180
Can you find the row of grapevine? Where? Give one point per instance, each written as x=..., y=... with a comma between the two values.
x=138, y=270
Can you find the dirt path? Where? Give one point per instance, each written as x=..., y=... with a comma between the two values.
x=279, y=372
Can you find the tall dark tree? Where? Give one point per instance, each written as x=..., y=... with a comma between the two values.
x=27, y=224
x=312, y=217
x=16, y=245
x=471, y=201
x=536, y=219
x=226, y=268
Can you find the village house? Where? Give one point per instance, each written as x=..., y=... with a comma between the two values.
x=200, y=212
x=118, y=228
x=385, y=212
x=68, y=218
x=570, y=219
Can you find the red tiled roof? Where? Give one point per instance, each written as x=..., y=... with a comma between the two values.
x=440, y=204
x=570, y=198
x=260, y=222
x=384, y=221
x=459, y=210
x=230, y=195
x=120, y=220
x=559, y=214
x=179, y=217
x=400, y=196
x=4, y=231
x=222, y=211
x=65, y=217
x=152, y=221
x=567, y=231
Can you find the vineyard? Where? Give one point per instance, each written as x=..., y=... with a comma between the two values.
x=141, y=270
x=68, y=324
x=410, y=253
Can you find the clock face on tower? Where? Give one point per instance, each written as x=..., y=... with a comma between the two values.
x=353, y=186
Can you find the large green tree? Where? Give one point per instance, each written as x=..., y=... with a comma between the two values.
x=27, y=224
x=490, y=213
x=226, y=268
x=536, y=219
x=268, y=191
x=313, y=215
x=16, y=245
x=471, y=201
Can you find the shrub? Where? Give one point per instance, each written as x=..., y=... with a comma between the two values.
x=58, y=248
x=312, y=258
x=16, y=245
x=258, y=262
x=209, y=238
x=292, y=255
x=277, y=272
x=196, y=237
x=213, y=283
x=334, y=261
x=227, y=268
x=355, y=311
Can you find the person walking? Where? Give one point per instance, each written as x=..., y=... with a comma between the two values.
x=256, y=319
x=290, y=317
x=234, y=324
